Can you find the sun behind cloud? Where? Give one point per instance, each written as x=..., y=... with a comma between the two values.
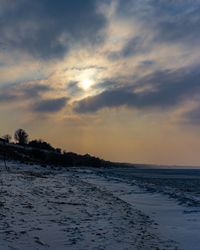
x=86, y=84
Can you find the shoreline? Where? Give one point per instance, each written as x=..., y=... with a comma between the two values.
x=76, y=209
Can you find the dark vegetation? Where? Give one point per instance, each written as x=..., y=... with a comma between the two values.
x=41, y=152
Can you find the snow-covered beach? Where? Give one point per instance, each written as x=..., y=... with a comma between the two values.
x=85, y=208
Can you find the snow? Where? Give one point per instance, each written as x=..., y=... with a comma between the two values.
x=45, y=208
x=173, y=221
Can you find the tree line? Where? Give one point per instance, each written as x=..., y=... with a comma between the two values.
x=21, y=137
x=41, y=152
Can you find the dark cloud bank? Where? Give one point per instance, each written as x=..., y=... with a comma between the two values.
x=50, y=105
x=32, y=93
x=170, y=88
x=39, y=27
x=22, y=91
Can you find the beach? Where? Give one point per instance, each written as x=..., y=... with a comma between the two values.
x=87, y=208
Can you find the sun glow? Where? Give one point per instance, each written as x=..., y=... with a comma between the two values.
x=86, y=84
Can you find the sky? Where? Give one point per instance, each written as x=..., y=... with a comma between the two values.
x=119, y=79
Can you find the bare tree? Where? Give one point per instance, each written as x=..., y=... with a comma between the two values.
x=7, y=138
x=21, y=136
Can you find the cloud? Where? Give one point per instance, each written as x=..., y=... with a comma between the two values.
x=22, y=91
x=169, y=88
x=33, y=90
x=179, y=22
x=73, y=88
x=7, y=97
x=192, y=116
x=150, y=27
x=34, y=94
x=147, y=63
x=48, y=29
x=89, y=67
x=50, y=105
x=133, y=47
x=176, y=21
